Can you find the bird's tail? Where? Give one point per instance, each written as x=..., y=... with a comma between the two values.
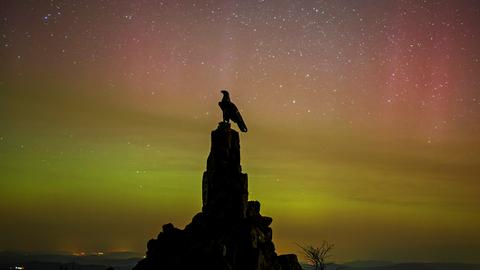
x=242, y=126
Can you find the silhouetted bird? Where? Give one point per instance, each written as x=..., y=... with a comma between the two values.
x=230, y=111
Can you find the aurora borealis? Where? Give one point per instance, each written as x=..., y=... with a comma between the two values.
x=363, y=116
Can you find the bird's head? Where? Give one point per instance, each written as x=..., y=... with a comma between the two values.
x=225, y=93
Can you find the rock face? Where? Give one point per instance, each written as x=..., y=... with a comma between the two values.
x=229, y=233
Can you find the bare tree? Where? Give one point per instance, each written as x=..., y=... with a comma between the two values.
x=317, y=256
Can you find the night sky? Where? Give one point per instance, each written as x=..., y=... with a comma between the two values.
x=363, y=117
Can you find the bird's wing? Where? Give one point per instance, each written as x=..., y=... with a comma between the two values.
x=232, y=107
x=239, y=120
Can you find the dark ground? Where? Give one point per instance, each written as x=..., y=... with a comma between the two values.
x=126, y=261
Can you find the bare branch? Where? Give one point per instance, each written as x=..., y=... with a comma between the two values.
x=316, y=255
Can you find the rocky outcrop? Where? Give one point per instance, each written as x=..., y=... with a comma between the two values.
x=224, y=186
x=229, y=233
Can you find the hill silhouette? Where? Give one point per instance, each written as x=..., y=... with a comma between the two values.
x=47, y=261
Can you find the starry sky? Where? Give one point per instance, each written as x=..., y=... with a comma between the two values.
x=363, y=117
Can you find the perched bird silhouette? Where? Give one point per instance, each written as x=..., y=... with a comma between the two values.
x=230, y=111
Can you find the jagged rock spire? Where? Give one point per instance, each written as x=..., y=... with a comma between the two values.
x=229, y=233
x=224, y=186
